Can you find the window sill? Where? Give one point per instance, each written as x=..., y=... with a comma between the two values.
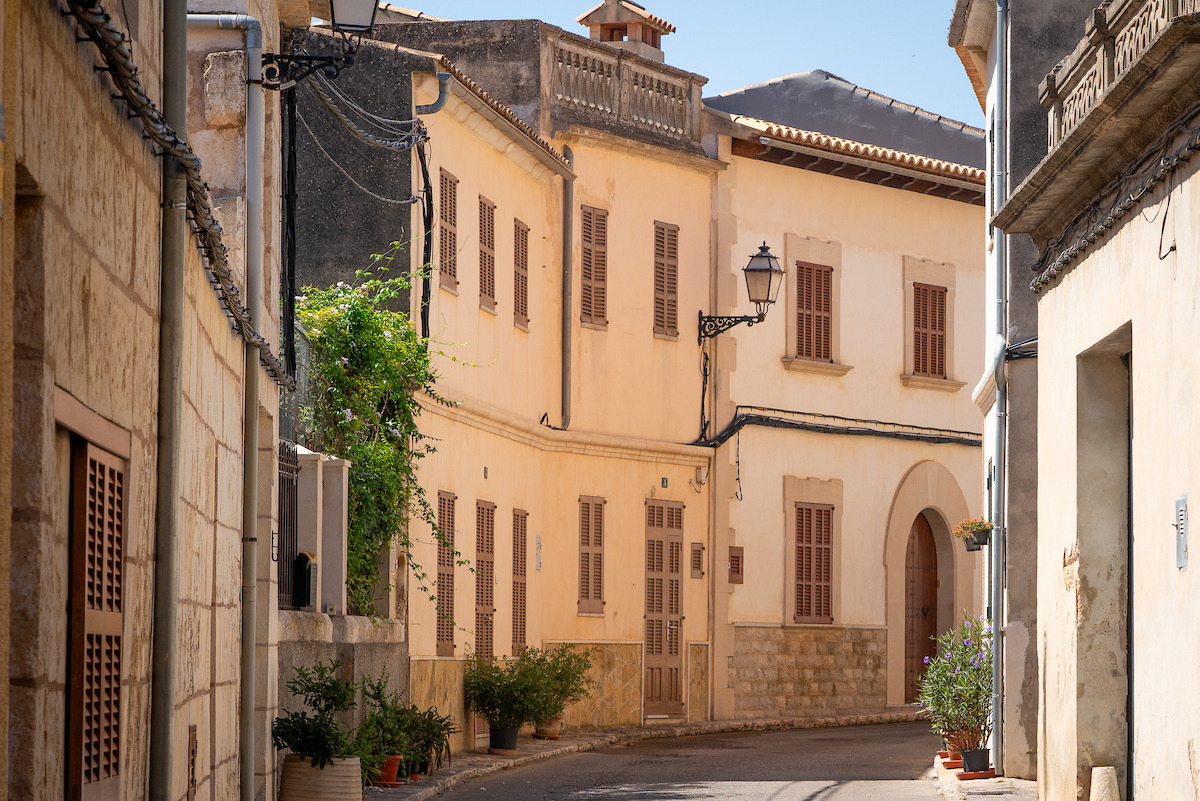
x=453, y=290
x=589, y=614
x=821, y=368
x=489, y=309
x=522, y=327
x=928, y=382
x=594, y=326
x=666, y=337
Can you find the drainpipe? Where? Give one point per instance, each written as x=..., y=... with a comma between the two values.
x=443, y=95
x=427, y=206
x=999, y=193
x=170, y=401
x=568, y=247
x=255, y=142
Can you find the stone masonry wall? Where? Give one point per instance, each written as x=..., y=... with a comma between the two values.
x=808, y=671
x=616, y=698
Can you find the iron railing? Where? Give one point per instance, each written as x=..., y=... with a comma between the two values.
x=285, y=557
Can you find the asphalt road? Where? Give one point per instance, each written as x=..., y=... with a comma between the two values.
x=866, y=763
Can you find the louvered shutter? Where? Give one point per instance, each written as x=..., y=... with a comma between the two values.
x=591, y=555
x=666, y=279
x=929, y=330
x=814, y=563
x=96, y=622
x=485, y=577
x=448, y=231
x=445, y=575
x=736, y=564
x=520, y=274
x=487, y=253
x=814, y=312
x=697, y=560
x=593, y=288
x=520, y=541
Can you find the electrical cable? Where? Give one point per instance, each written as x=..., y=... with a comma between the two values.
x=405, y=202
x=406, y=141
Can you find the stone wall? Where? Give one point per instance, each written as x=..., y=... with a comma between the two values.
x=616, y=698
x=806, y=671
x=434, y=681
x=697, y=679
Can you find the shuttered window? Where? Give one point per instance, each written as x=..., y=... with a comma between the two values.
x=814, y=563
x=697, y=560
x=448, y=231
x=929, y=330
x=593, y=288
x=520, y=541
x=97, y=619
x=814, y=312
x=737, y=564
x=666, y=279
x=445, y=575
x=591, y=555
x=487, y=253
x=520, y=274
x=485, y=576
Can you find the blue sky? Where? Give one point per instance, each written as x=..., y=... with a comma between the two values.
x=896, y=49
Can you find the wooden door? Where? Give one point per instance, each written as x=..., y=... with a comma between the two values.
x=920, y=605
x=663, y=686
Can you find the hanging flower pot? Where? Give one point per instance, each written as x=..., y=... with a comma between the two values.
x=975, y=532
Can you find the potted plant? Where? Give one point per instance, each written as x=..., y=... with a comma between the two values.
x=384, y=734
x=563, y=672
x=321, y=763
x=431, y=733
x=975, y=532
x=505, y=693
x=956, y=691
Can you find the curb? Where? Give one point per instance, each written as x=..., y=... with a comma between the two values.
x=480, y=764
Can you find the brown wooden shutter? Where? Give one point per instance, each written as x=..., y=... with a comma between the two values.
x=814, y=311
x=929, y=330
x=97, y=620
x=593, y=288
x=448, y=231
x=520, y=541
x=664, y=608
x=666, y=279
x=487, y=253
x=520, y=274
x=485, y=576
x=697, y=560
x=445, y=575
x=814, y=563
x=591, y=555
x=736, y=564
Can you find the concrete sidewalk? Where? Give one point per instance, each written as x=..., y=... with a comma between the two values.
x=952, y=789
x=472, y=765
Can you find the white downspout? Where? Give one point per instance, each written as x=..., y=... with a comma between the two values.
x=255, y=142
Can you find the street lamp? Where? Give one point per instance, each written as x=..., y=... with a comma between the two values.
x=350, y=20
x=764, y=276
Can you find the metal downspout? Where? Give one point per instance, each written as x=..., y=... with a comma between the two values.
x=170, y=400
x=568, y=247
x=255, y=142
x=999, y=535
x=427, y=206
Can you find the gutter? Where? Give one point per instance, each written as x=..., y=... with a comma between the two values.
x=255, y=143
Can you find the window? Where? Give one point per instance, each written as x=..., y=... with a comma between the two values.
x=520, y=542
x=593, y=289
x=666, y=279
x=97, y=619
x=737, y=564
x=929, y=331
x=814, y=563
x=591, y=555
x=520, y=274
x=445, y=575
x=448, y=231
x=485, y=576
x=487, y=254
x=814, y=312
x=697, y=560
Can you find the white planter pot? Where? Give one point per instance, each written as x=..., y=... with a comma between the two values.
x=339, y=780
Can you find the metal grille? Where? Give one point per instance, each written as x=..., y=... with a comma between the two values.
x=289, y=499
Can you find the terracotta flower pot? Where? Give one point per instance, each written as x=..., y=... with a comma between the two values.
x=391, y=766
x=339, y=780
x=549, y=729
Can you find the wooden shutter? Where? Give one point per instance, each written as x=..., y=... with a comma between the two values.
x=445, y=575
x=666, y=279
x=929, y=330
x=697, y=560
x=487, y=253
x=97, y=620
x=448, y=231
x=814, y=563
x=736, y=564
x=485, y=576
x=664, y=608
x=591, y=555
x=520, y=274
x=593, y=288
x=520, y=538
x=814, y=312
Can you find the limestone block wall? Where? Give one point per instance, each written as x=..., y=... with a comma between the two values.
x=697, y=681
x=808, y=671
x=438, y=682
x=616, y=697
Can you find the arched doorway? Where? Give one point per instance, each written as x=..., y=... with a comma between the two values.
x=920, y=604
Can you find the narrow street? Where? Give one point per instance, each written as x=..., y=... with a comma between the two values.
x=868, y=763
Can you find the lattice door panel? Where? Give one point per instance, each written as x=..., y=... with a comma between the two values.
x=663, y=688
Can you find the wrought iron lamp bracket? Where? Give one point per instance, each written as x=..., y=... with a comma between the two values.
x=285, y=71
x=713, y=325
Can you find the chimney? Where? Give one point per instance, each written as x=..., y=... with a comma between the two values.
x=626, y=25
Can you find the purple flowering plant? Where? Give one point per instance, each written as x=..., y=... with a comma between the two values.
x=956, y=689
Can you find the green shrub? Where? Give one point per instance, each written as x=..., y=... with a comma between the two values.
x=317, y=737
x=956, y=689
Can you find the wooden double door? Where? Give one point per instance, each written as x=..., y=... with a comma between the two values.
x=920, y=605
x=662, y=685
